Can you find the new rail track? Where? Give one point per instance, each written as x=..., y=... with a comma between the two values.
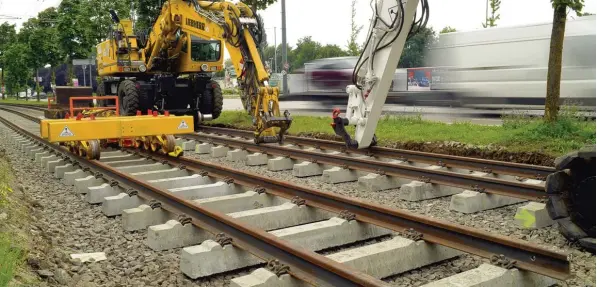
x=308, y=265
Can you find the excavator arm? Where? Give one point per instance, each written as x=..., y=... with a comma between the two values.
x=242, y=27
x=393, y=22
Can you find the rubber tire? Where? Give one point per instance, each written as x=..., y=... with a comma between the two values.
x=572, y=196
x=129, y=98
x=212, y=100
x=100, y=91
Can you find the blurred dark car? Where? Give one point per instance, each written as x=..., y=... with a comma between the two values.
x=330, y=74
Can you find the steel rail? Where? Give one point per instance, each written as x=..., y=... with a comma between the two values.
x=418, y=156
x=527, y=256
x=21, y=114
x=31, y=107
x=304, y=264
x=442, y=177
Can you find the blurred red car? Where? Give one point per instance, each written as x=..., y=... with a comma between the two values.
x=330, y=74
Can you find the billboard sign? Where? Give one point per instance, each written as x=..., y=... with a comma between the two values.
x=419, y=79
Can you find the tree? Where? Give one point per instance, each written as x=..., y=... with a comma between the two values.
x=415, y=48
x=447, y=29
x=330, y=51
x=490, y=21
x=74, y=31
x=16, y=65
x=51, y=52
x=353, y=47
x=147, y=11
x=100, y=19
x=8, y=34
x=586, y=14
x=258, y=4
x=554, y=66
x=306, y=50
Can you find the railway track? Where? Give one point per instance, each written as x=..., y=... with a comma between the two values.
x=147, y=190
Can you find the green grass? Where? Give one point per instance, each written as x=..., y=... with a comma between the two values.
x=14, y=239
x=517, y=134
x=32, y=102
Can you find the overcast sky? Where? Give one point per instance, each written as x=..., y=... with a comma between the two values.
x=314, y=17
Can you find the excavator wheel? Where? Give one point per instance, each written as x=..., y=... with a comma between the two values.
x=212, y=100
x=129, y=98
x=571, y=191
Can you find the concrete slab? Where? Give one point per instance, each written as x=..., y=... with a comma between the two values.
x=160, y=174
x=237, y=155
x=39, y=155
x=144, y=167
x=129, y=162
x=306, y=169
x=265, y=278
x=188, y=145
x=81, y=184
x=314, y=236
x=114, y=205
x=378, y=182
x=472, y=201
x=172, y=234
x=203, y=148
x=333, y=232
x=281, y=216
x=219, y=151
x=96, y=194
x=488, y=275
x=52, y=164
x=204, y=191
x=417, y=191
x=70, y=176
x=141, y=217
x=393, y=256
x=239, y=202
x=182, y=181
x=280, y=163
x=32, y=152
x=44, y=160
x=533, y=215
x=256, y=159
x=221, y=259
x=60, y=170
x=339, y=175
x=28, y=147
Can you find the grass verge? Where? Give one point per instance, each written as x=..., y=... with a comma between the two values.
x=14, y=239
x=520, y=133
x=32, y=102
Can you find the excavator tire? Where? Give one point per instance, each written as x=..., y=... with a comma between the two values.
x=129, y=98
x=212, y=100
x=571, y=191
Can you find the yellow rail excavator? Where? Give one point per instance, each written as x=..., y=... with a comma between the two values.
x=170, y=68
x=164, y=76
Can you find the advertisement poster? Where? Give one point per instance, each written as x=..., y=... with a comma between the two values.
x=419, y=79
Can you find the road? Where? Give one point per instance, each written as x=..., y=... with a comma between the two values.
x=442, y=114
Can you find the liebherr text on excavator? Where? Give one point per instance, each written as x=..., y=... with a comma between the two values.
x=170, y=68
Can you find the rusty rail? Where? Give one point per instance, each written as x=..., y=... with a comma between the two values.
x=512, y=168
x=442, y=177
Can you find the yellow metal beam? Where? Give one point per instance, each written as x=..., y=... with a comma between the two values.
x=114, y=127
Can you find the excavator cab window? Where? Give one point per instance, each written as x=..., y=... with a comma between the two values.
x=205, y=50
